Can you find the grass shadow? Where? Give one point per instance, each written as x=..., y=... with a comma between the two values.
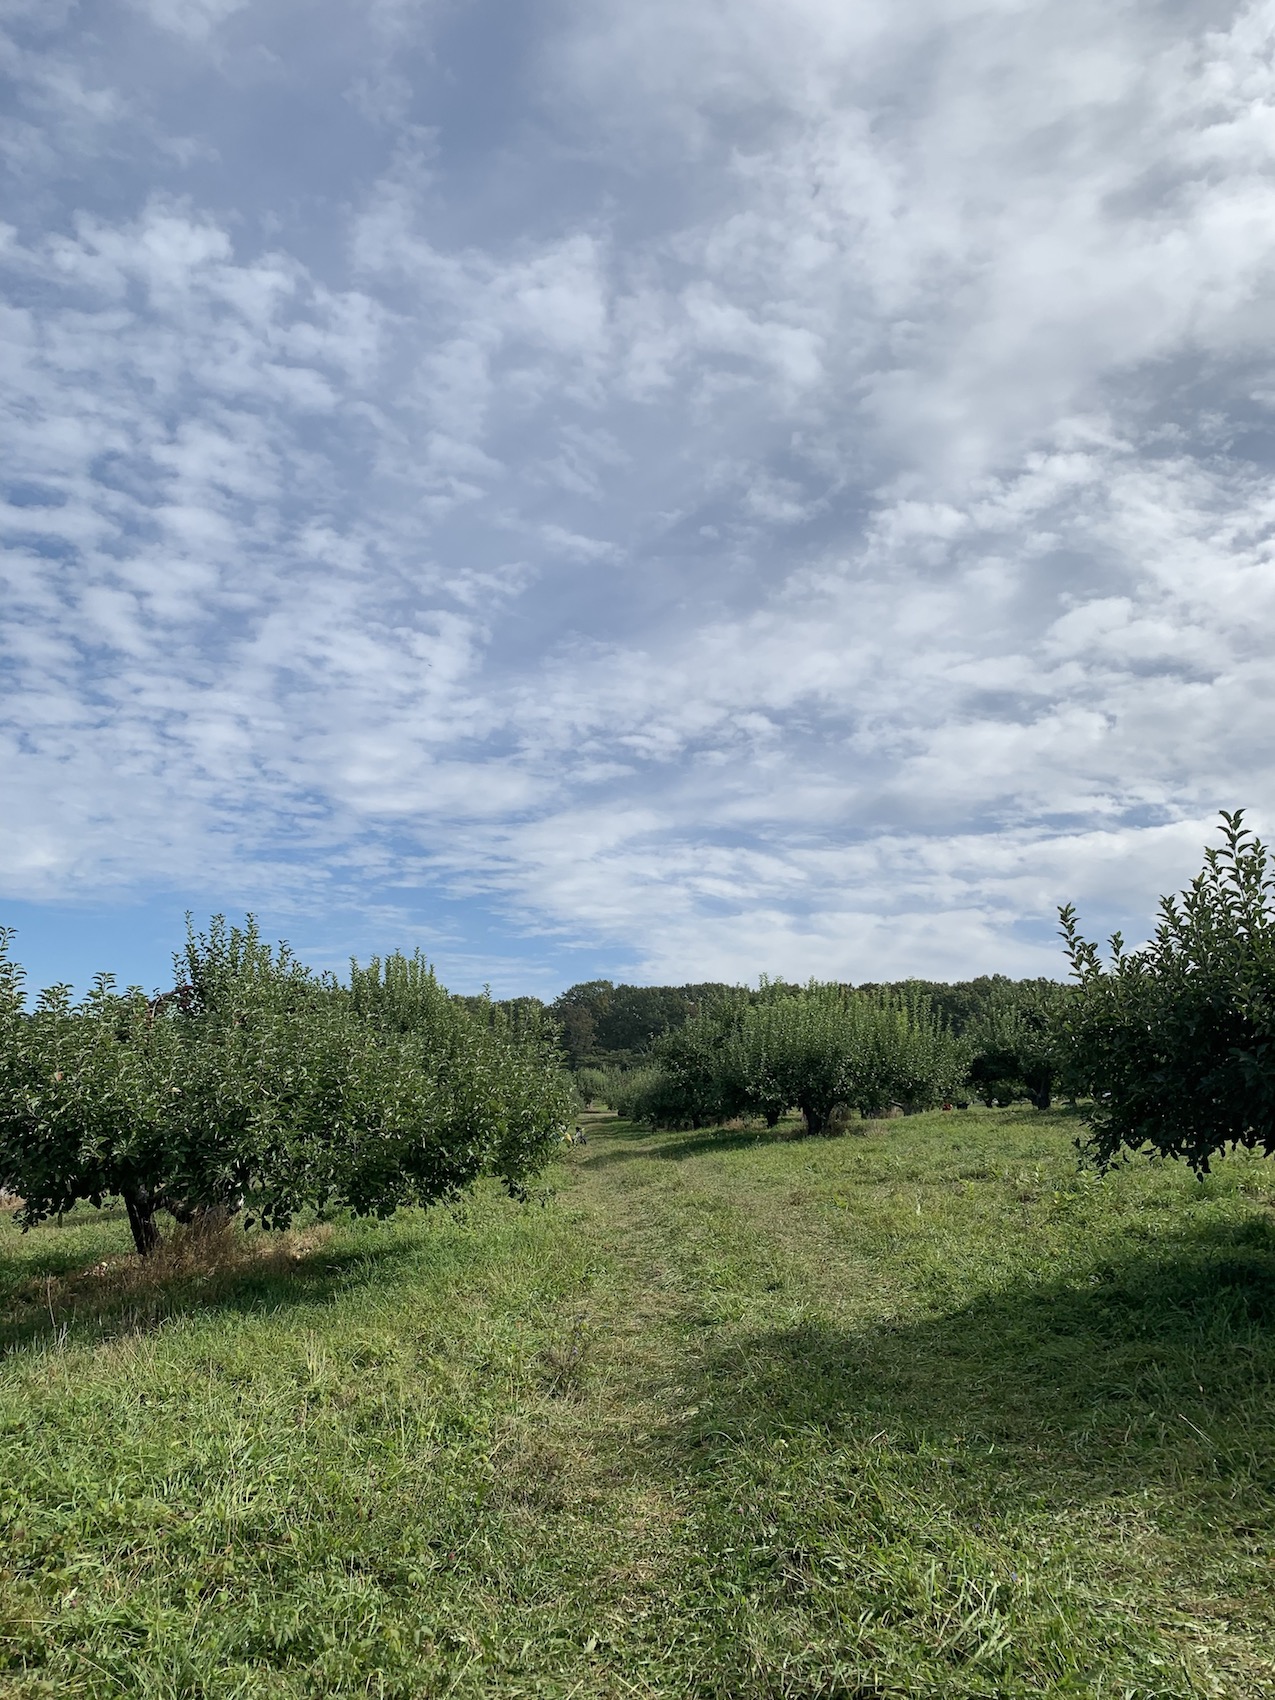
x=60, y=1295
x=59, y=1247
x=1157, y=1367
x=675, y=1147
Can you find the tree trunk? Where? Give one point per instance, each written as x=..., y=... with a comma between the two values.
x=772, y=1118
x=141, y=1219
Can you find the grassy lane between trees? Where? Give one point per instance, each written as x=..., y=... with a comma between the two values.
x=921, y=1412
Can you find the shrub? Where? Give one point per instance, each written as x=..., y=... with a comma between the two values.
x=911, y=1058
x=799, y=1050
x=1176, y=1041
x=827, y=1046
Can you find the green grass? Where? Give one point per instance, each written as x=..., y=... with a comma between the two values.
x=926, y=1412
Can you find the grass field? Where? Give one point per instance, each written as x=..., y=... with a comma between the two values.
x=925, y=1412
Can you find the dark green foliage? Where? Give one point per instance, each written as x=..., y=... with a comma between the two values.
x=520, y=1014
x=965, y=1004
x=1176, y=1042
x=608, y=1026
x=633, y=1092
x=680, y=1087
x=637, y=1015
x=829, y=1047
x=593, y=1085
x=496, y=1101
x=257, y=1081
x=603, y=1024
x=576, y=1013
x=1014, y=1044
x=689, y=1087
x=798, y=1049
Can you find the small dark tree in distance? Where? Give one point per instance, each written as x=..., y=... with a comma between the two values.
x=1014, y=1043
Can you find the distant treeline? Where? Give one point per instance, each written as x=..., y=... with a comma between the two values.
x=603, y=1025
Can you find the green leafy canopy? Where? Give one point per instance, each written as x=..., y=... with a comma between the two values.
x=257, y=1083
x=1175, y=1041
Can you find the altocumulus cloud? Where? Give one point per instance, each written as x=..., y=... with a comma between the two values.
x=677, y=490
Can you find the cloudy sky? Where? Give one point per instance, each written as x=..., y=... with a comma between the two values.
x=668, y=490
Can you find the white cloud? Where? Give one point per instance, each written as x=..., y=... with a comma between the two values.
x=805, y=507
x=196, y=20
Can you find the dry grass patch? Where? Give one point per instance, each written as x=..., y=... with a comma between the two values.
x=199, y=1252
x=201, y=1262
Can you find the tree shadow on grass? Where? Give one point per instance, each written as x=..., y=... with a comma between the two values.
x=1157, y=1367
x=673, y=1147
x=62, y=1297
x=1024, y=1494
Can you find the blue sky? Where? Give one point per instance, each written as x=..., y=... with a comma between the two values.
x=668, y=491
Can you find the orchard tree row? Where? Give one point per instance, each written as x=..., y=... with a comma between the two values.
x=608, y=1026
x=827, y=1050
x=1169, y=1048
x=256, y=1085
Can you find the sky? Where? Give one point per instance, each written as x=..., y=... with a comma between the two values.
x=665, y=492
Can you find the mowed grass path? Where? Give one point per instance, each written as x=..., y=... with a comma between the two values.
x=922, y=1412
